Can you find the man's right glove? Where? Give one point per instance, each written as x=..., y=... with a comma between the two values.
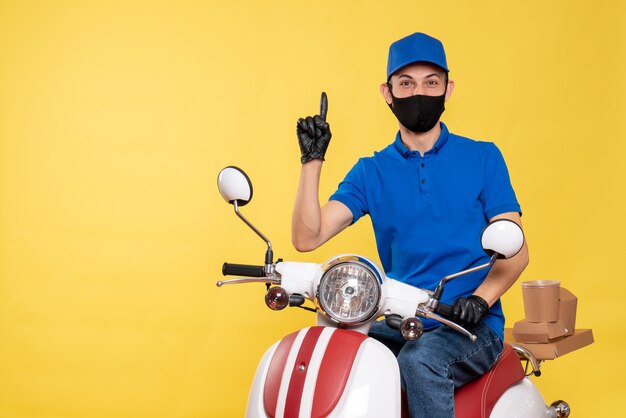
x=468, y=312
x=314, y=134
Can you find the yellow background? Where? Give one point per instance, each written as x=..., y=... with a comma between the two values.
x=116, y=116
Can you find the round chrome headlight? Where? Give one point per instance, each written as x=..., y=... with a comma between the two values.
x=349, y=290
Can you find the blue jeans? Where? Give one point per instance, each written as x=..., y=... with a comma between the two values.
x=437, y=363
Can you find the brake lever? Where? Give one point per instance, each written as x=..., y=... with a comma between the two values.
x=240, y=280
x=424, y=312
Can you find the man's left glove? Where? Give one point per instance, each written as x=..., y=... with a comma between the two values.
x=468, y=312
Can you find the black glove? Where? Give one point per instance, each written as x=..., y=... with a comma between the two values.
x=314, y=134
x=468, y=312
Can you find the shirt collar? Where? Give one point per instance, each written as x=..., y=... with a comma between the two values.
x=441, y=142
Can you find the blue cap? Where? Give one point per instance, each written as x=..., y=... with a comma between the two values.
x=417, y=47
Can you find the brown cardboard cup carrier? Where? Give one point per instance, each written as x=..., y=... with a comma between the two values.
x=541, y=300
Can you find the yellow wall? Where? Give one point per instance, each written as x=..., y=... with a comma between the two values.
x=116, y=116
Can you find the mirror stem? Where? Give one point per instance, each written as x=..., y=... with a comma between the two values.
x=439, y=290
x=269, y=255
x=473, y=269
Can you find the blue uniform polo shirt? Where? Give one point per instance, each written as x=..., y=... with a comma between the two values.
x=429, y=211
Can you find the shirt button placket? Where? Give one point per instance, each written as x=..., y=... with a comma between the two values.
x=423, y=180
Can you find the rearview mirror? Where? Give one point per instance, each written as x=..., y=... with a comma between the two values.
x=503, y=237
x=234, y=186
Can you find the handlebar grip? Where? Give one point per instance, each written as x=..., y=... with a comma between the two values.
x=444, y=310
x=245, y=270
x=393, y=321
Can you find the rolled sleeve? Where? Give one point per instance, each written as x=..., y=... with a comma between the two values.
x=351, y=192
x=498, y=195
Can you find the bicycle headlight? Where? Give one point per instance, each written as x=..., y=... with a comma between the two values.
x=349, y=290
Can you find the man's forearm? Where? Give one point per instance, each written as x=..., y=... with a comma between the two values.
x=306, y=219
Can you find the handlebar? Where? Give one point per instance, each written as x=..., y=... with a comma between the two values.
x=444, y=310
x=246, y=270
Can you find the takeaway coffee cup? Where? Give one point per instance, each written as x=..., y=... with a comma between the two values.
x=541, y=300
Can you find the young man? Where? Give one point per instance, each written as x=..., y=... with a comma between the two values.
x=429, y=195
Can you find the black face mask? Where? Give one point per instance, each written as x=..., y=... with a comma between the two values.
x=418, y=113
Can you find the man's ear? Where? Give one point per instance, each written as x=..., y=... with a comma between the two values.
x=385, y=92
x=450, y=89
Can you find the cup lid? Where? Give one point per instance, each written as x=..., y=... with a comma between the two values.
x=541, y=283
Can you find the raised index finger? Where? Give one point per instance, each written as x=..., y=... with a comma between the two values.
x=323, y=106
